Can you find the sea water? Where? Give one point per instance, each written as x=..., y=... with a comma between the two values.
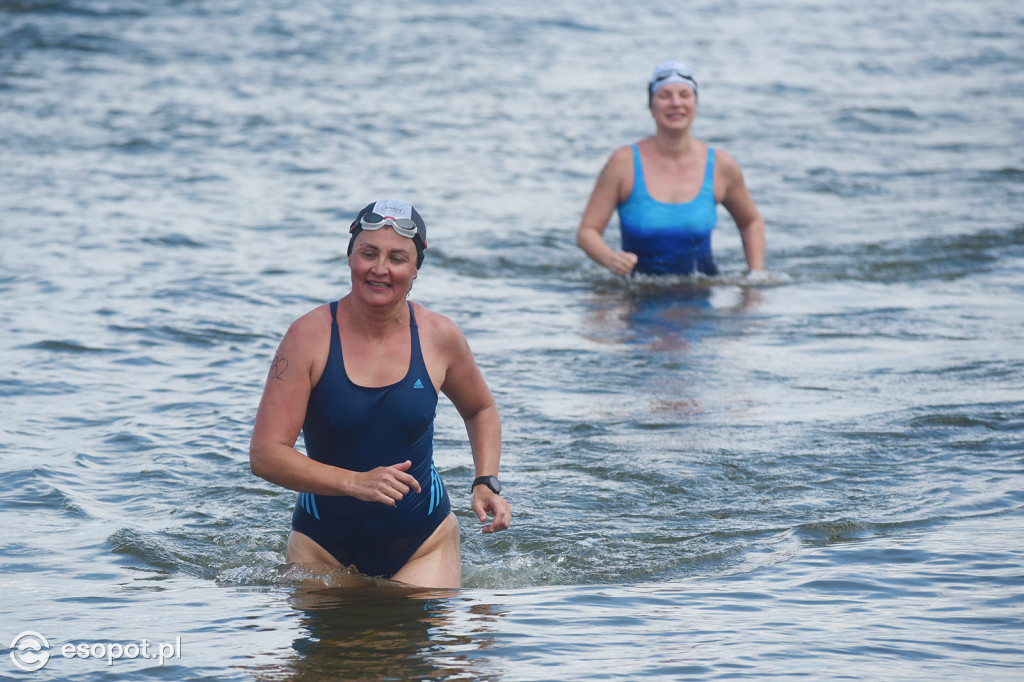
x=821, y=477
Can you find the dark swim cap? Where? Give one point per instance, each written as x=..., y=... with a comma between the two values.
x=400, y=216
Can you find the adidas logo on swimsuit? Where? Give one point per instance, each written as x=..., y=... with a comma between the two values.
x=308, y=503
x=436, y=487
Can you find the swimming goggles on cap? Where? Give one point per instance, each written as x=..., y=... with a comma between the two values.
x=669, y=74
x=374, y=221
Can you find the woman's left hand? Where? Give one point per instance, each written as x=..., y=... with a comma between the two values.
x=486, y=502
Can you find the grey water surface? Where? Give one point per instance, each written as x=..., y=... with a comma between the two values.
x=822, y=477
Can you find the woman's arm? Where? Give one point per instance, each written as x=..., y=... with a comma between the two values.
x=465, y=386
x=740, y=204
x=603, y=200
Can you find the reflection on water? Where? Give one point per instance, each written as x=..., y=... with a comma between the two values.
x=659, y=326
x=664, y=316
x=378, y=631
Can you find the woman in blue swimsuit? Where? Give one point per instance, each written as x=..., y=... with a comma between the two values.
x=666, y=189
x=360, y=378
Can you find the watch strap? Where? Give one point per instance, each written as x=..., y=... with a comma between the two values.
x=491, y=482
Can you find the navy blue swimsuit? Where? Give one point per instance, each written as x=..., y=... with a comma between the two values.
x=360, y=428
x=670, y=238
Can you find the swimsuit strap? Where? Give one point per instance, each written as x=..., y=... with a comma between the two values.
x=639, y=185
x=709, y=173
x=335, y=333
x=416, y=361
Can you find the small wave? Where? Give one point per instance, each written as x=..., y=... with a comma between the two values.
x=21, y=388
x=999, y=420
x=24, y=37
x=58, y=346
x=72, y=8
x=142, y=546
x=687, y=286
x=843, y=184
x=294, y=575
x=27, y=489
x=175, y=239
x=1011, y=173
x=274, y=576
x=831, y=532
x=516, y=570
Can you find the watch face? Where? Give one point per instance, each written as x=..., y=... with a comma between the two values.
x=491, y=482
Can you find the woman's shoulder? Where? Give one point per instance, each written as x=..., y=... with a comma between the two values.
x=436, y=329
x=624, y=153
x=726, y=165
x=316, y=316
x=310, y=326
x=724, y=158
x=433, y=322
x=620, y=163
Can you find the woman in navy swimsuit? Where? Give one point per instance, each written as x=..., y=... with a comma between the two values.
x=666, y=189
x=360, y=378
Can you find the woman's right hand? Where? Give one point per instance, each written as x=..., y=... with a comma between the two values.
x=622, y=262
x=386, y=485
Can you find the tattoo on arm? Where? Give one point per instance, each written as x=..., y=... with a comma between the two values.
x=278, y=367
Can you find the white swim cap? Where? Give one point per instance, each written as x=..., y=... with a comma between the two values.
x=399, y=215
x=671, y=72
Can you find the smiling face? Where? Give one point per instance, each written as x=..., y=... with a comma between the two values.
x=383, y=265
x=674, y=105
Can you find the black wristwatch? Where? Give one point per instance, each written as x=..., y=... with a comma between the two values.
x=491, y=482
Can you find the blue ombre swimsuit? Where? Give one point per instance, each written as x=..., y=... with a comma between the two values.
x=670, y=238
x=360, y=428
